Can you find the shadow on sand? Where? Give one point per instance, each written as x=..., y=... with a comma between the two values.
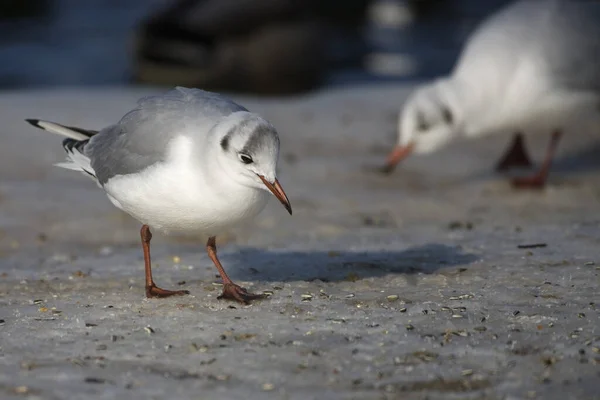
x=265, y=265
x=582, y=161
x=568, y=165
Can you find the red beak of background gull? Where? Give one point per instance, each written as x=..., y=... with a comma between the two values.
x=398, y=154
x=278, y=192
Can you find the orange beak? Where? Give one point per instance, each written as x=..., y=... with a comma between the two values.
x=278, y=192
x=398, y=154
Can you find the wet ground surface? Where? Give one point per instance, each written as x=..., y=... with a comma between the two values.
x=437, y=282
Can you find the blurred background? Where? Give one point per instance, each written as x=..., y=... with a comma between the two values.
x=262, y=47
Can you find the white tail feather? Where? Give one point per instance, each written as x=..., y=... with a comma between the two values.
x=77, y=161
x=61, y=130
x=69, y=165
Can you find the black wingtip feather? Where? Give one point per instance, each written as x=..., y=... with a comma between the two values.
x=70, y=144
x=34, y=122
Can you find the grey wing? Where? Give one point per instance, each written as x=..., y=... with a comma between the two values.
x=112, y=152
x=142, y=136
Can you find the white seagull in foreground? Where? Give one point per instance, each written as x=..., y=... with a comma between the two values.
x=188, y=162
x=532, y=67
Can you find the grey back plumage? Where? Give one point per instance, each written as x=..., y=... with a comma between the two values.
x=141, y=137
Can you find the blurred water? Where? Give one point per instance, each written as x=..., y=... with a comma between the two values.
x=90, y=42
x=78, y=42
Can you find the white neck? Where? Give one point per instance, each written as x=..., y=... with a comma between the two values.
x=480, y=115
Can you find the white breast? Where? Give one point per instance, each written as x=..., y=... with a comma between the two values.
x=177, y=197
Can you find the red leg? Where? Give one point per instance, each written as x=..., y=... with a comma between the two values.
x=538, y=180
x=231, y=291
x=151, y=289
x=515, y=156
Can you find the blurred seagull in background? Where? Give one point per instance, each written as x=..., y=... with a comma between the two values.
x=532, y=67
x=186, y=162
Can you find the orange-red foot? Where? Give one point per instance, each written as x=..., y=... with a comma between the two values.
x=155, y=291
x=231, y=291
x=529, y=182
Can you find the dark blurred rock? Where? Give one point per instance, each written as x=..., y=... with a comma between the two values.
x=258, y=46
x=425, y=7
x=14, y=9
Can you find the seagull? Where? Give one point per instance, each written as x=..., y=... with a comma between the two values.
x=186, y=162
x=532, y=67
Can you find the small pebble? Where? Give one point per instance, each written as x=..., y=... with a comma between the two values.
x=392, y=297
x=201, y=349
x=21, y=390
x=466, y=372
x=268, y=387
x=532, y=246
x=462, y=297
x=149, y=330
x=105, y=251
x=94, y=380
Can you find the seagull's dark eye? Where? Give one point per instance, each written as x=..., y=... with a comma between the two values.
x=422, y=125
x=447, y=114
x=245, y=158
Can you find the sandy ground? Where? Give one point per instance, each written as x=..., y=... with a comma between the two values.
x=409, y=286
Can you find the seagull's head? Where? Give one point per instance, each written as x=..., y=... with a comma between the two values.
x=427, y=122
x=248, y=149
